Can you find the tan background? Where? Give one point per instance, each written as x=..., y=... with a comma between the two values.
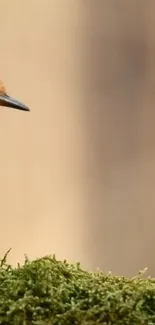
x=77, y=174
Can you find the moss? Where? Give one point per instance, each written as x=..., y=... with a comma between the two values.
x=50, y=292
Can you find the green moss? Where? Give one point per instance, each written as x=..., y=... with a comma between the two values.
x=51, y=292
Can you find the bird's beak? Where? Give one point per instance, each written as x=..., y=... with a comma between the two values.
x=8, y=101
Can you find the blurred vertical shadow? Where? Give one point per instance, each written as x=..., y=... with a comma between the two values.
x=114, y=53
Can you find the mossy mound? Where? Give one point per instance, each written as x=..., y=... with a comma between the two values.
x=51, y=292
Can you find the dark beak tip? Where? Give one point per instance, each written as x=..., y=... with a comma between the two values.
x=8, y=101
x=26, y=109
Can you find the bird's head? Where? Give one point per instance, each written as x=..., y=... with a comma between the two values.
x=6, y=100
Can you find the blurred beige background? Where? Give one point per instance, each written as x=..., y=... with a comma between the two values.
x=77, y=174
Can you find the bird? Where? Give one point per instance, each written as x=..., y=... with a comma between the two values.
x=7, y=101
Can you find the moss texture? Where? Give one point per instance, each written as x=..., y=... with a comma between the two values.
x=51, y=292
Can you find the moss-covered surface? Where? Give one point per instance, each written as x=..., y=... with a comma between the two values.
x=51, y=292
